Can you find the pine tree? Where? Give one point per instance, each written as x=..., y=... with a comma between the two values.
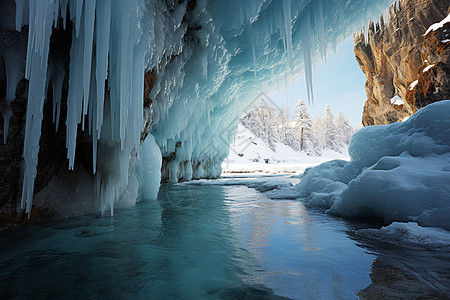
x=303, y=128
x=262, y=122
x=318, y=141
x=326, y=129
x=344, y=130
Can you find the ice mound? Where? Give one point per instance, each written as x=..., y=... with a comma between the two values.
x=410, y=235
x=400, y=172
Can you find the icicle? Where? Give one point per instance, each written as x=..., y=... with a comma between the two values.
x=40, y=29
x=103, y=23
x=6, y=115
x=89, y=17
x=254, y=55
x=74, y=97
x=205, y=64
x=78, y=12
x=288, y=31
x=19, y=13
x=319, y=24
x=307, y=55
x=57, y=84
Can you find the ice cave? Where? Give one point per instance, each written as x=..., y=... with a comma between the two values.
x=118, y=117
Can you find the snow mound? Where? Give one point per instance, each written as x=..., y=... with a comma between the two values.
x=410, y=235
x=400, y=172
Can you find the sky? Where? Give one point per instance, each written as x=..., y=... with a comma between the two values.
x=339, y=83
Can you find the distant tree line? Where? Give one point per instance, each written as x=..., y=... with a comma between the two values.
x=300, y=133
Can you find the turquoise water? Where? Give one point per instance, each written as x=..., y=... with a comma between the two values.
x=194, y=242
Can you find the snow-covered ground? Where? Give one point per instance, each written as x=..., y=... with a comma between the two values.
x=249, y=154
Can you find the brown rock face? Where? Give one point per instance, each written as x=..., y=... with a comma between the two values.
x=434, y=75
x=394, y=57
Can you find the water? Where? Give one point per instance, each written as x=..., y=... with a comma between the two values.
x=197, y=242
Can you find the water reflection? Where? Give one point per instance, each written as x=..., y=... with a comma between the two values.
x=202, y=242
x=301, y=253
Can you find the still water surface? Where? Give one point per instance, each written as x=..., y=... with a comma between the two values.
x=194, y=242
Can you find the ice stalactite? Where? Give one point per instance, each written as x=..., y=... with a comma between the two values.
x=40, y=28
x=107, y=45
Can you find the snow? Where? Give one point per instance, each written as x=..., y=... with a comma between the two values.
x=396, y=100
x=427, y=68
x=413, y=84
x=436, y=26
x=248, y=154
x=410, y=235
x=399, y=172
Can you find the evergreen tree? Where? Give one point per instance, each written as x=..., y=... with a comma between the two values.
x=262, y=122
x=330, y=133
x=318, y=141
x=303, y=128
x=344, y=130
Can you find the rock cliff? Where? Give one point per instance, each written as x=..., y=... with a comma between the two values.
x=405, y=68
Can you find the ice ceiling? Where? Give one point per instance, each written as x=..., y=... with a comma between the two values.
x=210, y=58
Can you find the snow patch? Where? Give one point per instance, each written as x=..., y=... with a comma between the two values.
x=413, y=84
x=428, y=68
x=396, y=100
x=436, y=26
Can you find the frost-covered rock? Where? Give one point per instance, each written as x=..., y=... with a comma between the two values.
x=399, y=172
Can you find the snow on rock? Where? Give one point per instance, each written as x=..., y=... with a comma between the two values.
x=427, y=68
x=436, y=26
x=399, y=172
x=410, y=235
x=396, y=100
x=413, y=84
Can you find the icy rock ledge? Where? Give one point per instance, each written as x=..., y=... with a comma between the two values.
x=400, y=172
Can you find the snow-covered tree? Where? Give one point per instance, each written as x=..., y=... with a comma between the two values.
x=327, y=131
x=318, y=141
x=303, y=128
x=262, y=122
x=344, y=130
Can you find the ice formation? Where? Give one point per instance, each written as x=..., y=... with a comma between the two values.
x=211, y=60
x=400, y=172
